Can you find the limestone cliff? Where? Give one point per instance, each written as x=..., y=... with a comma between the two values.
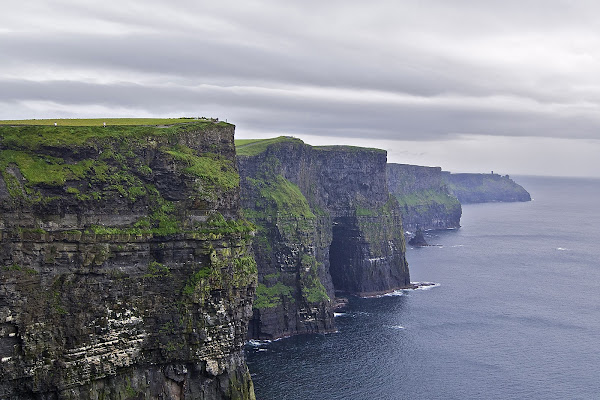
x=125, y=267
x=325, y=222
x=485, y=188
x=424, y=198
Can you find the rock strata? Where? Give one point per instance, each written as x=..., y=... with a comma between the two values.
x=125, y=267
x=485, y=188
x=418, y=240
x=423, y=197
x=326, y=223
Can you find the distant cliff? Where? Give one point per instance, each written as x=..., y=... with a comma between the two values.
x=485, y=188
x=423, y=196
x=125, y=268
x=325, y=222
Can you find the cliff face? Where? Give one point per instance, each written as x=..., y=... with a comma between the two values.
x=423, y=196
x=326, y=223
x=485, y=188
x=125, y=268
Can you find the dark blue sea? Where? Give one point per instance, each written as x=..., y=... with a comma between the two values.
x=516, y=314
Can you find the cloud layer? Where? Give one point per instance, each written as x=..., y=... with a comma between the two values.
x=392, y=70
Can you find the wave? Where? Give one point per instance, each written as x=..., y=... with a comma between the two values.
x=403, y=292
x=562, y=249
x=399, y=292
x=257, y=343
x=425, y=285
x=399, y=327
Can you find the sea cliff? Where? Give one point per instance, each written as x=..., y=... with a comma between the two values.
x=326, y=223
x=424, y=199
x=485, y=188
x=125, y=267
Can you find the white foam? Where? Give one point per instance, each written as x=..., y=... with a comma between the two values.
x=258, y=343
x=399, y=292
x=397, y=327
x=562, y=249
x=425, y=285
x=403, y=292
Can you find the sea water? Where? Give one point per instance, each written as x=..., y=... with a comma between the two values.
x=515, y=314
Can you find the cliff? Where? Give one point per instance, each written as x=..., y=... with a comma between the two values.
x=484, y=188
x=326, y=223
x=125, y=267
x=423, y=196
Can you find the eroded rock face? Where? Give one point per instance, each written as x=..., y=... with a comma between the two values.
x=326, y=223
x=424, y=198
x=125, y=268
x=485, y=188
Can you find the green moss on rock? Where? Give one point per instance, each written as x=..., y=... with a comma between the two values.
x=272, y=296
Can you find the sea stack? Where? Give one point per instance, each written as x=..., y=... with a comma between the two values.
x=418, y=240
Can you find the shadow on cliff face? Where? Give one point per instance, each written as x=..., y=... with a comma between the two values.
x=367, y=255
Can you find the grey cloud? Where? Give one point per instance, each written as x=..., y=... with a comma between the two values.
x=236, y=58
x=286, y=112
x=210, y=61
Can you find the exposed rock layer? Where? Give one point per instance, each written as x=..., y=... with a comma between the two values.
x=424, y=198
x=485, y=188
x=326, y=223
x=125, y=270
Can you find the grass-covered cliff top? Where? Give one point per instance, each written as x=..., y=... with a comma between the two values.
x=102, y=121
x=349, y=149
x=481, y=188
x=40, y=164
x=253, y=147
x=32, y=134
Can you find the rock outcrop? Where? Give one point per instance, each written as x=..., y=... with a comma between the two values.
x=125, y=267
x=423, y=197
x=326, y=223
x=485, y=188
x=418, y=240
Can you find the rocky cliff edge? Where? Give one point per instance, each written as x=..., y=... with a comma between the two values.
x=326, y=223
x=125, y=268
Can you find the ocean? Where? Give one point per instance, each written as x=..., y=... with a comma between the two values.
x=515, y=313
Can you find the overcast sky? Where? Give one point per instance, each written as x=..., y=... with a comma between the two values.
x=472, y=86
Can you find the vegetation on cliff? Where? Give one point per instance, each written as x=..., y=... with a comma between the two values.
x=253, y=147
x=45, y=165
x=483, y=188
x=272, y=202
x=298, y=196
x=424, y=198
x=124, y=259
x=104, y=121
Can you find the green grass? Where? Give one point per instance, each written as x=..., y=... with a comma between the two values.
x=99, y=121
x=212, y=169
x=269, y=297
x=253, y=147
x=19, y=268
x=101, y=163
x=349, y=149
x=365, y=212
x=279, y=196
x=312, y=288
x=34, y=137
x=36, y=169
